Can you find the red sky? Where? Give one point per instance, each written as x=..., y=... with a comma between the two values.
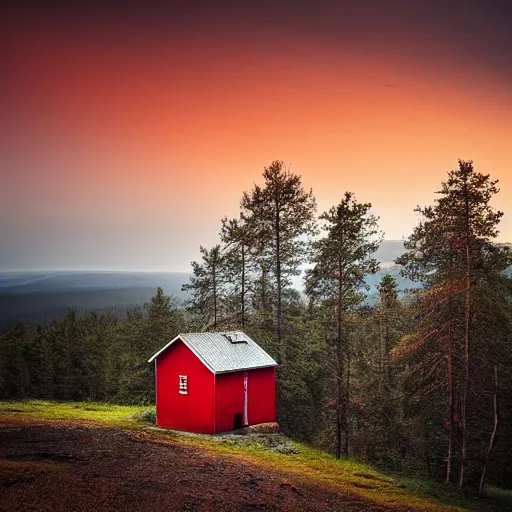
x=127, y=135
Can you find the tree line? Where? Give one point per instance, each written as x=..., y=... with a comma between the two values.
x=419, y=376
x=89, y=356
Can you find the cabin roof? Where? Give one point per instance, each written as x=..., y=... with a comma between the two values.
x=223, y=352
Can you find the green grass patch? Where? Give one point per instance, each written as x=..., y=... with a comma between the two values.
x=501, y=497
x=493, y=500
x=109, y=414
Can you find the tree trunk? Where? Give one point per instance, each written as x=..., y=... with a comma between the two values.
x=243, y=287
x=467, y=312
x=381, y=350
x=426, y=444
x=493, y=433
x=214, y=275
x=449, y=457
x=339, y=398
x=387, y=349
x=451, y=401
x=278, y=278
x=339, y=344
x=347, y=399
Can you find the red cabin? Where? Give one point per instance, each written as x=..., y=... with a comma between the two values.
x=213, y=382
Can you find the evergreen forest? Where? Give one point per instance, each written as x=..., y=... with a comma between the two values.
x=420, y=379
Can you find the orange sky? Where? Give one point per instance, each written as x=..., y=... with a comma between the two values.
x=122, y=149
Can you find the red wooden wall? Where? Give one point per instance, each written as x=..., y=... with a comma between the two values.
x=229, y=397
x=193, y=412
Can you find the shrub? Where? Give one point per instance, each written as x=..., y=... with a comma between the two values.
x=147, y=416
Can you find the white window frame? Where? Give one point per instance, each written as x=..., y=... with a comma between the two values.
x=183, y=385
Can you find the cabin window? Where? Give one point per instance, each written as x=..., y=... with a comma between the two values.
x=183, y=385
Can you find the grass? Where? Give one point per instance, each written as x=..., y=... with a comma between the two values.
x=305, y=464
x=501, y=497
x=494, y=499
x=114, y=415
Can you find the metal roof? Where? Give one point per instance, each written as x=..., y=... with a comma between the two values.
x=223, y=352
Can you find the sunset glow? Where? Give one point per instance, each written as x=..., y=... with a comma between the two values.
x=125, y=139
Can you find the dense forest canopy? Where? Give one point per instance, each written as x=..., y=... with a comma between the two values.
x=424, y=376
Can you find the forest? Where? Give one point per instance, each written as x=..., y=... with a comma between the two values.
x=419, y=379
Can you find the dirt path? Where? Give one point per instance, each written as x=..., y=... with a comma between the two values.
x=77, y=466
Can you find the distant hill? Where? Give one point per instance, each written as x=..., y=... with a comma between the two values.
x=386, y=254
x=40, y=297
x=388, y=251
x=48, y=282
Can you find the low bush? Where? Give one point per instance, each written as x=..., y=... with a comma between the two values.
x=146, y=416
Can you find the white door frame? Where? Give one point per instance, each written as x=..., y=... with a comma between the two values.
x=246, y=397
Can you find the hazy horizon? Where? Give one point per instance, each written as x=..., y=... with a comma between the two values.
x=122, y=270
x=127, y=135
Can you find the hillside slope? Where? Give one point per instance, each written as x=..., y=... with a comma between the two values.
x=53, y=458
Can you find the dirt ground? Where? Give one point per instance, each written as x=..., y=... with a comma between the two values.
x=79, y=466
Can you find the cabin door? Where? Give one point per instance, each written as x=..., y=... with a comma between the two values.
x=246, y=394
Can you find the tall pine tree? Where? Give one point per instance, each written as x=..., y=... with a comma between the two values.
x=452, y=251
x=341, y=259
x=207, y=288
x=235, y=236
x=279, y=215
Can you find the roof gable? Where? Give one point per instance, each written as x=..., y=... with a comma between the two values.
x=223, y=352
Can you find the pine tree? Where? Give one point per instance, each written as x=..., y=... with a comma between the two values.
x=40, y=362
x=63, y=334
x=235, y=236
x=279, y=215
x=386, y=314
x=97, y=355
x=141, y=335
x=207, y=287
x=452, y=252
x=14, y=370
x=341, y=259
